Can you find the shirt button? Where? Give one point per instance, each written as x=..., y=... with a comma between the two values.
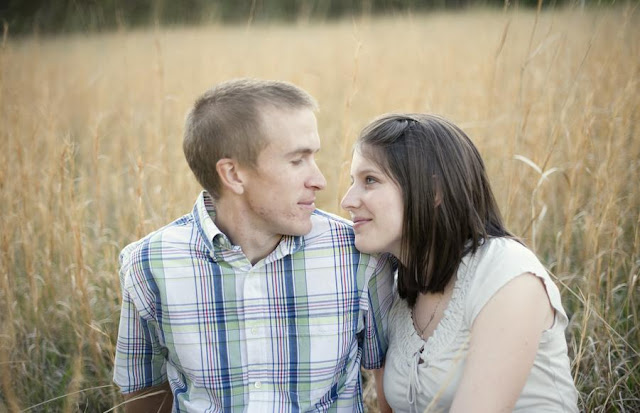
x=254, y=331
x=257, y=384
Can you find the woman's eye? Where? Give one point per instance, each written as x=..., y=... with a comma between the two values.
x=369, y=180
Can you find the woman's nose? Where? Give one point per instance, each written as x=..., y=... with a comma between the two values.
x=349, y=201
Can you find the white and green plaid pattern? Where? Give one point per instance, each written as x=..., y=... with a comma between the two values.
x=285, y=335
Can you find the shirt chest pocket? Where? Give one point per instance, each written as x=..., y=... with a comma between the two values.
x=329, y=335
x=330, y=345
x=203, y=357
x=185, y=352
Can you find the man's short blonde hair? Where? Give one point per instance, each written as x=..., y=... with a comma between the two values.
x=226, y=122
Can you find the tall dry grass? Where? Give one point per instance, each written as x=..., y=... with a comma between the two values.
x=90, y=159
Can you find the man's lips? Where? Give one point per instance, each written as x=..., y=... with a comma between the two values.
x=309, y=204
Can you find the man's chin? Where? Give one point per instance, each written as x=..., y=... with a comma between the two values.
x=300, y=230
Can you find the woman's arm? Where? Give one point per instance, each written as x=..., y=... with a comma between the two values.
x=383, y=406
x=504, y=341
x=152, y=400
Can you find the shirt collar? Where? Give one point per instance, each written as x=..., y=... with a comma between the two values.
x=289, y=244
x=219, y=245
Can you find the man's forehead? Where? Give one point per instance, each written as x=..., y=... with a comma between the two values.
x=268, y=112
x=289, y=132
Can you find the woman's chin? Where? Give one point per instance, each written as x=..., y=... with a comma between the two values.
x=366, y=247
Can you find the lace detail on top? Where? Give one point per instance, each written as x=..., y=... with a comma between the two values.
x=420, y=372
x=414, y=381
x=446, y=330
x=417, y=351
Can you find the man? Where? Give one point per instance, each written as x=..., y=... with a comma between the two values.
x=255, y=301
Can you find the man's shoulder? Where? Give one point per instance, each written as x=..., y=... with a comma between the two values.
x=327, y=226
x=334, y=232
x=329, y=231
x=322, y=221
x=173, y=232
x=330, y=228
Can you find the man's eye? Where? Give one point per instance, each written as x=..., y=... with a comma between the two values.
x=296, y=162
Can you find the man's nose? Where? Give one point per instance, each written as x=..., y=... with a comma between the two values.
x=317, y=179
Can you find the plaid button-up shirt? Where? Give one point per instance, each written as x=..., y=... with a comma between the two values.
x=287, y=334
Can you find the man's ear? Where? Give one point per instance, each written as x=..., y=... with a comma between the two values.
x=230, y=176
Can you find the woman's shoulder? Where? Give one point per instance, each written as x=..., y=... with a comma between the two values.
x=495, y=263
x=505, y=247
x=505, y=255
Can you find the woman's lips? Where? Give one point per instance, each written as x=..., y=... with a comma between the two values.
x=359, y=222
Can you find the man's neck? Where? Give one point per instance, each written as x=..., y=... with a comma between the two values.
x=231, y=220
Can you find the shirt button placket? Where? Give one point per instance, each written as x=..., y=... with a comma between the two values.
x=256, y=343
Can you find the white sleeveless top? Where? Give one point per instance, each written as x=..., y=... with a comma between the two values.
x=411, y=386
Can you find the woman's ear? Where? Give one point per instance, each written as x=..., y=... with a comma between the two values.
x=230, y=176
x=438, y=191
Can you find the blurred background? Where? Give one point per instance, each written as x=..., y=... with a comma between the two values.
x=93, y=96
x=62, y=16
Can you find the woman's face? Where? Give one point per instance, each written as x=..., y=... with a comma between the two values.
x=375, y=203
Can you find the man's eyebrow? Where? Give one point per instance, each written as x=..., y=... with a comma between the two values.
x=302, y=151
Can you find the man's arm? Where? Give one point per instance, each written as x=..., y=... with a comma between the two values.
x=158, y=399
x=138, y=348
x=379, y=300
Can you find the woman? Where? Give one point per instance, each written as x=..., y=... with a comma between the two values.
x=479, y=326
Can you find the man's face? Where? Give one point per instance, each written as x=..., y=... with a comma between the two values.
x=281, y=190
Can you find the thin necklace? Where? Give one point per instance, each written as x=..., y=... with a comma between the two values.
x=415, y=324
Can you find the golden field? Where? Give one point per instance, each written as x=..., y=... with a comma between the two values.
x=91, y=159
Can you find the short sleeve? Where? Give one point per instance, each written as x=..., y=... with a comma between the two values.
x=499, y=261
x=140, y=361
x=379, y=294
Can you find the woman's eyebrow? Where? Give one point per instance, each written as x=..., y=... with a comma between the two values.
x=368, y=171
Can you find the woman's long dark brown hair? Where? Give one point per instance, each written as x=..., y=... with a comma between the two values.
x=449, y=208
